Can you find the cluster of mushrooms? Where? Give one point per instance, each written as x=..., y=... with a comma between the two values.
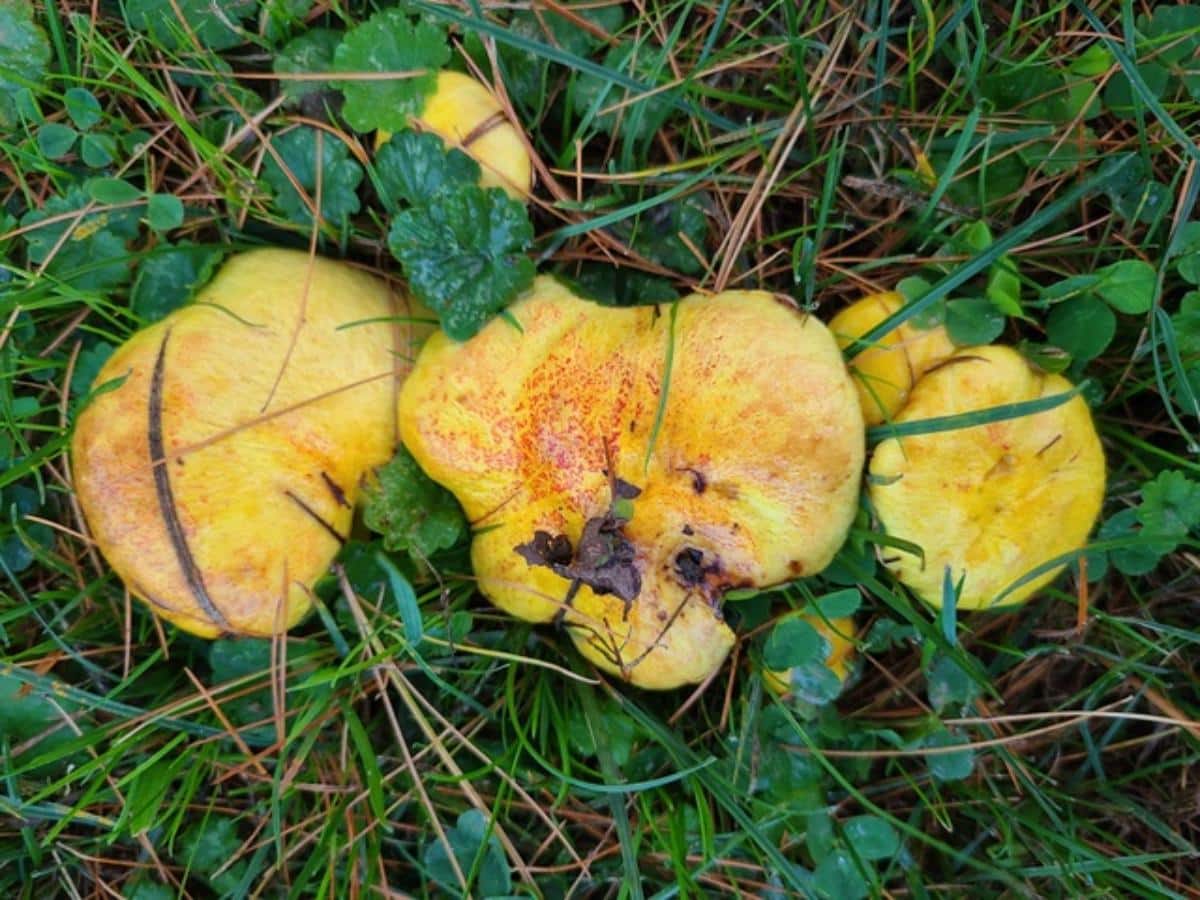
x=622, y=468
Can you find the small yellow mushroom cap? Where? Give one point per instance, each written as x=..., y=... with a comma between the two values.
x=466, y=115
x=991, y=502
x=838, y=633
x=219, y=477
x=589, y=476
x=886, y=372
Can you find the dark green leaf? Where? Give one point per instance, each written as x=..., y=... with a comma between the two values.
x=56, y=140
x=98, y=150
x=169, y=278
x=233, y=658
x=950, y=686
x=1138, y=559
x=414, y=166
x=872, y=837
x=464, y=256
x=310, y=53
x=389, y=42
x=1119, y=93
x=1147, y=202
x=1095, y=60
x=972, y=321
x=640, y=117
x=470, y=842
x=1187, y=255
x=339, y=175
x=87, y=367
x=144, y=889
x=818, y=833
x=528, y=71
x=209, y=844
x=837, y=878
x=1174, y=31
x=164, y=212
x=953, y=766
x=112, y=191
x=620, y=285
x=616, y=730
x=1170, y=505
x=1083, y=326
x=814, y=682
x=792, y=642
x=410, y=510
x=83, y=107
x=37, y=715
x=144, y=797
x=92, y=256
x=663, y=234
x=1128, y=286
x=837, y=605
x=216, y=26
x=24, y=50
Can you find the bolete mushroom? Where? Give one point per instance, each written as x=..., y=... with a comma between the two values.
x=466, y=115
x=886, y=371
x=219, y=476
x=989, y=502
x=623, y=467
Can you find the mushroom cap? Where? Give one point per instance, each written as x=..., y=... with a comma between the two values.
x=991, y=502
x=885, y=372
x=466, y=114
x=838, y=633
x=551, y=421
x=266, y=400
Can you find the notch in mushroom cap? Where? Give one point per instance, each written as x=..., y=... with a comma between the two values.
x=219, y=477
x=990, y=502
x=885, y=372
x=466, y=115
x=623, y=467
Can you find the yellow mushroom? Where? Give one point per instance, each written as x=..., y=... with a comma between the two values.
x=838, y=634
x=219, y=477
x=622, y=468
x=885, y=372
x=990, y=502
x=466, y=115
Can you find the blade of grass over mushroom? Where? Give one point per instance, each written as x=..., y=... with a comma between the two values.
x=972, y=419
x=664, y=390
x=978, y=263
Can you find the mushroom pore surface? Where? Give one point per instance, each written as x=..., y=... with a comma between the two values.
x=623, y=467
x=989, y=502
x=219, y=476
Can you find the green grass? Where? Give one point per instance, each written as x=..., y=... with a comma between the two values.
x=812, y=149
